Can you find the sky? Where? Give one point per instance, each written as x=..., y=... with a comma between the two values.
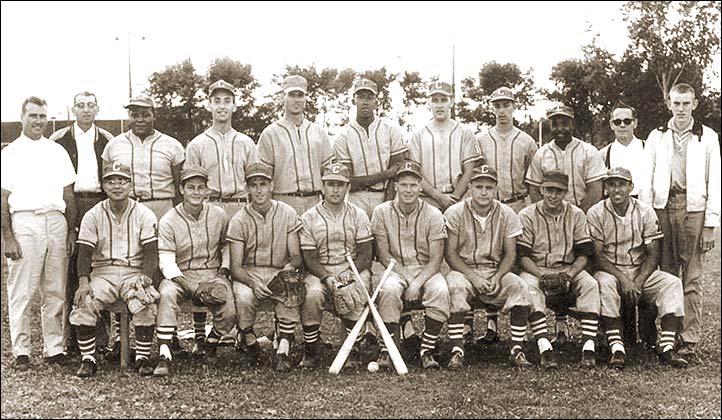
x=56, y=49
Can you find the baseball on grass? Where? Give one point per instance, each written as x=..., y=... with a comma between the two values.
x=373, y=367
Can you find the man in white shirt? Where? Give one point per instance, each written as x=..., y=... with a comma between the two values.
x=37, y=208
x=84, y=141
x=626, y=151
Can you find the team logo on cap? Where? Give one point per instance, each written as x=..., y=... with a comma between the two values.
x=409, y=166
x=116, y=166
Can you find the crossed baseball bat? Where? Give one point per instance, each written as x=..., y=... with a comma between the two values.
x=347, y=345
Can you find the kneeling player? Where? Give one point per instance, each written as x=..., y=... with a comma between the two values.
x=191, y=236
x=264, y=241
x=481, y=250
x=412, y=232
x=554, y=248
x=625, y=233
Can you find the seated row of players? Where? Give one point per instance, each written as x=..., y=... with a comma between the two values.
x=480, y=238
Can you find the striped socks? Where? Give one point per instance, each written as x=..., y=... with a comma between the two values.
x=456, y=333
x=86, y=342
x=199, y=325
x=432, y=329
x=311, y=334
x=538, y=323
x=143, y=342
x=165, y=337
x=518, y=318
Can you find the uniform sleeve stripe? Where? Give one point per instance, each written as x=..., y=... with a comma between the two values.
x=344, y=160
x=472, y=159
x=515, y=234
x=235, y=240
x=308, y=247
x=656, y=236
x=84, y=242
x=400, y=151
x=524, y=243
x=530, y=182
x=166, y=251
x=596, y=178
x=582, y=241
x=267, y=162
x=365, y=239
x=148, y=240
x=295, y=228
x=437, y=237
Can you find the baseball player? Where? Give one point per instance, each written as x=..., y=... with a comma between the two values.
x=509, y=151
x=625, y=233
x=555, y=240
x=117, y=257
x=264, y=240
x=445, y=150
x=192, y=253
x=579, y=160
x=372, y=147
x=331, y=230
x=411, y=231
x=296, y=149
x=38, y=213
x=84, y=142
x=154, y=158
x=481, y=251
x=683, y=159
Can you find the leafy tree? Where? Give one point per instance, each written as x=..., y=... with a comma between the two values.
x=414, y=93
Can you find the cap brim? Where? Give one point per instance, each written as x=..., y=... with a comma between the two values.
x=221, y=88
x=560, y=113
x=555, y=185
x=608, y=177
x=186, y=178
x=484, y=176
x=441, y=92
x=121, y=174
x=335, y=178
x=503, y=98
x=364, y=88
x=258, y=175
x=138, y=104
x=408, y=172
x=294, y=89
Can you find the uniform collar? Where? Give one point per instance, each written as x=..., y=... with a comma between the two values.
x=468, y=202
x=257, y=214
x=184, y=213
x=572, y=144
x=419, y=205
x=217, y=134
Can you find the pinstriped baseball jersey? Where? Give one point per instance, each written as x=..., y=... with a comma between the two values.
x=334, y=236
x=150, y=162
x=197, y=243
x=552, y=239
x=297, y=155
x=580, y=160
x=482, y=245
x=442, y=152
x=225, y=157
x=118, y=241
x=409, y=237
x=510, y=155
x=369, y=153
x=624, y=238
x=265, y=238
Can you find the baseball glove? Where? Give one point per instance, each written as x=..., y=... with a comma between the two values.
x=347, y=294
x=210, y=293
x=288, y=288
x=556, y=288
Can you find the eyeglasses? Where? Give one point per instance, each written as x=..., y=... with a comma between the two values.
x=117, y=181
x=89, y=105
x=626, y=121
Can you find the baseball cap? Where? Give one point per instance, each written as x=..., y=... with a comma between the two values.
x=484, y=172
x=192, y=171
x=440, y=87
x=143, y=101
x=620, y=173
x=116, y=169
x=561, y=109
x=259, y=169
x=221, y=85
x=293, y=83
x=503, y=93
x=409, y=167
x=556, y=179
x=336, y=172
x=365, y=84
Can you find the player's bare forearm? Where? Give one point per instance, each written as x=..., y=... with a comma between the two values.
x=364, y=256
x=310, y=258
x=238, y=273
x=604, y=264
x=578, y=265
x=534, y=193
x=650, y=262
x=463, y=183
x=434, y=265
x=361, y=182
x=6, y=220
x=530, y=267
x=507, y=261
x=593, y=195
x=382, y=251
x=429, y=190
x=453, y=258
x=150, y=259
x=175, y=171
x=294, y=250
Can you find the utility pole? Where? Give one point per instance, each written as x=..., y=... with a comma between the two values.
x=453, y=81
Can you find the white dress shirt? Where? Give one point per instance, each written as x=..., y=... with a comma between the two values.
x=87, y=180
x=630, y=157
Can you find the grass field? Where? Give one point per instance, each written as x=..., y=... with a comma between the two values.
x=487, y=388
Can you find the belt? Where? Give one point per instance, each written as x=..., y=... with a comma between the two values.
x=228, y=199
x=90, y=194
x=514, y=198
x=677, y=192
x=143, y=200
x=302, y=193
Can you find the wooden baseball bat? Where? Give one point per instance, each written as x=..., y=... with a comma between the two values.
x=394, y=354
x=347, y=345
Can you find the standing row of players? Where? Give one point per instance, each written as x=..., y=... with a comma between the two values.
x=294, y=150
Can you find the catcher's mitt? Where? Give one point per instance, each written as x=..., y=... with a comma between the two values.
x=347, y=293
x=210, y=293
x=556, y=288
x=288, y=288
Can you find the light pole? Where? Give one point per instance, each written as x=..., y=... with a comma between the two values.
x=130, y=73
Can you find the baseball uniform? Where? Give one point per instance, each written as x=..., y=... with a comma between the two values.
x=150, y=161
x=510, y=155
x=580, y=160
x=367, y=153
x=297, y=154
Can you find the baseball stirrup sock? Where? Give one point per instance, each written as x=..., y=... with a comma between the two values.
x=589, y=328
x=456, y=330
x=561, y=324
x=407, y=327
x=432, y=329
x=143, y=342
x=213, y=337
x=311, y=333
x=286, y=330
x=393, y=329
x=469, y=322
x=538, y=323
x=86, y=343
x=492, y=319
x=199, y=325
x=614, y=338
x=165, y=334
x=348, y=326
x=249, y=337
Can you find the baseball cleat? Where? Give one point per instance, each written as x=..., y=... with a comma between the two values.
x=163, y=368
x=428, y=361
x=88, y=368
x=144, y=367
x=617, y=360
x=561, y=339
x=353, y=362
x=384, y=361
x=457, y=361
x=311, y=357
x=22, y=363
x=671, y=358
x=490, y=337
x=589, y=359
x=199, y=348
x=549, y=360
x=518, y=359
x=283, y=363
x=688, y=351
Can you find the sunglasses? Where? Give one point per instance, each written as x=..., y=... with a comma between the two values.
x=626, y=121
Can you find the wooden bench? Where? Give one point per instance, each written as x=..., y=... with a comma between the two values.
x=122, y=309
